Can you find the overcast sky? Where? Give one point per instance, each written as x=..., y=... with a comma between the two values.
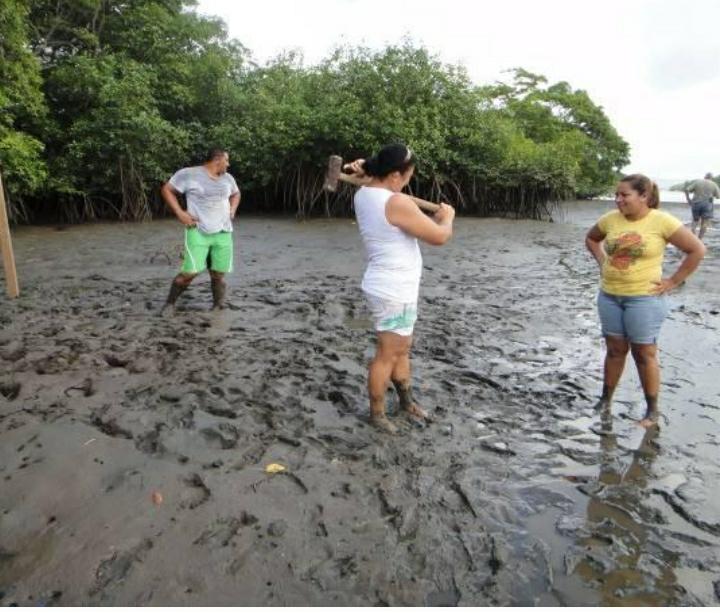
x=653, y=65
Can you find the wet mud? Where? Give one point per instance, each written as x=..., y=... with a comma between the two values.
x=134, y=447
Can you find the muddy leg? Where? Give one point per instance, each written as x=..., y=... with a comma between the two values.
x=390, y=348
x=219, y=288
x=652, y=413
x=605, y=402
x=179, y=285
x=646, y=360
x=617, y=350
x=703, y=228
x=404, y=393
x=379, y=374
x=401, y=381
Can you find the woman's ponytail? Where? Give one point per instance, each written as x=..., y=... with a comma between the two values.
x=645, y=187
x=391, y=158
x=654, y=196
x=370, y=166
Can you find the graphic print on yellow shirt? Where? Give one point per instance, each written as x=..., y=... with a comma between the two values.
x=625, y=251
x=634, y=251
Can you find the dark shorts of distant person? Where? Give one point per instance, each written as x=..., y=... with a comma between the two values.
x=702, y=210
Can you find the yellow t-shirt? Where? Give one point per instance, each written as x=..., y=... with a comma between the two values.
x=634, y=251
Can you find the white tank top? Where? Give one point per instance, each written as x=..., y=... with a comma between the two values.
x=394, y=262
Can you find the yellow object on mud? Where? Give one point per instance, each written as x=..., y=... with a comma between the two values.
x=274, y=468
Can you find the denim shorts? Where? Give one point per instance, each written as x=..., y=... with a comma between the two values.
x=702, y=210
x=636, y=318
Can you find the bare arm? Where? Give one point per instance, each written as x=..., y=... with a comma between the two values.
x=402, y=212
x=234, y=204
x=593, y=242
x=169, y=195
x=689, y=187
x=694, y=249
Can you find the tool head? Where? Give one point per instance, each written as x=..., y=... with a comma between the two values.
x=333, y=172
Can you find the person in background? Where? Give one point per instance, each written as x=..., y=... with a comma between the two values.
x=703, y=192
x=628, y=245
x=212, y=197
x=391, y=224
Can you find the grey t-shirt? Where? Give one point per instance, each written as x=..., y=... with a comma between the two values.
x=703, y=190
x=208, y=197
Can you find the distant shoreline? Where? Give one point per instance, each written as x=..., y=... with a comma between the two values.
x=665, y=196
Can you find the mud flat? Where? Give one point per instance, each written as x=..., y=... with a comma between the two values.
x=133, y=448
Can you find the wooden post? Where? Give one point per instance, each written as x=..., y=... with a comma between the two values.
x=11, y=280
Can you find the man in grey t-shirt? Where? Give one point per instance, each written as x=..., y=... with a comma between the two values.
x=212, y=199
x=703, y=190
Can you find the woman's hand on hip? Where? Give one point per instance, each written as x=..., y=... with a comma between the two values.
x=663, y=286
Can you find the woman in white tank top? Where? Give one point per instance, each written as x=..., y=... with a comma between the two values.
x=390, y=225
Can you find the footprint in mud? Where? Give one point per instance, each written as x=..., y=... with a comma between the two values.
x=52, y=364
x=10, y=390
x=115, y=569
x=224, y=437
x=85, y=389
x=220, y=532
x=150, y=441
x=116, y=361
x=109, y=426
x=339, y=445
x=197, y=494
x=219, y=407
x=13, y=351
x=251, y=456
x=343, y=400
x=185, y=420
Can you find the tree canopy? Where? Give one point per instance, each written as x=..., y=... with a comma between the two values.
x=22, y=105
x=102, y=100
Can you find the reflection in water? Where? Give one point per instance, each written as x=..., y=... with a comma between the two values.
x=620, y=559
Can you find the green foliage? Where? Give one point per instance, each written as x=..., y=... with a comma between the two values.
x=288, y=118
x=569, y=118
x=138, y=88
x=107, y=113
x=22, y=107
x=131, y=86
x=22, y=165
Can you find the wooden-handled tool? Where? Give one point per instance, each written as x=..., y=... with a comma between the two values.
x=8, y=257
x=335, y=173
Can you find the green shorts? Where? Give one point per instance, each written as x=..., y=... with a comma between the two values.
x=213, y=251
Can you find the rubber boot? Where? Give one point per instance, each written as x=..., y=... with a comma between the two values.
x=219, y=288
x=175, y=290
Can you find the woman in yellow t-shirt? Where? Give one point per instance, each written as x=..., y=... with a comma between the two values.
x=629, y=245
